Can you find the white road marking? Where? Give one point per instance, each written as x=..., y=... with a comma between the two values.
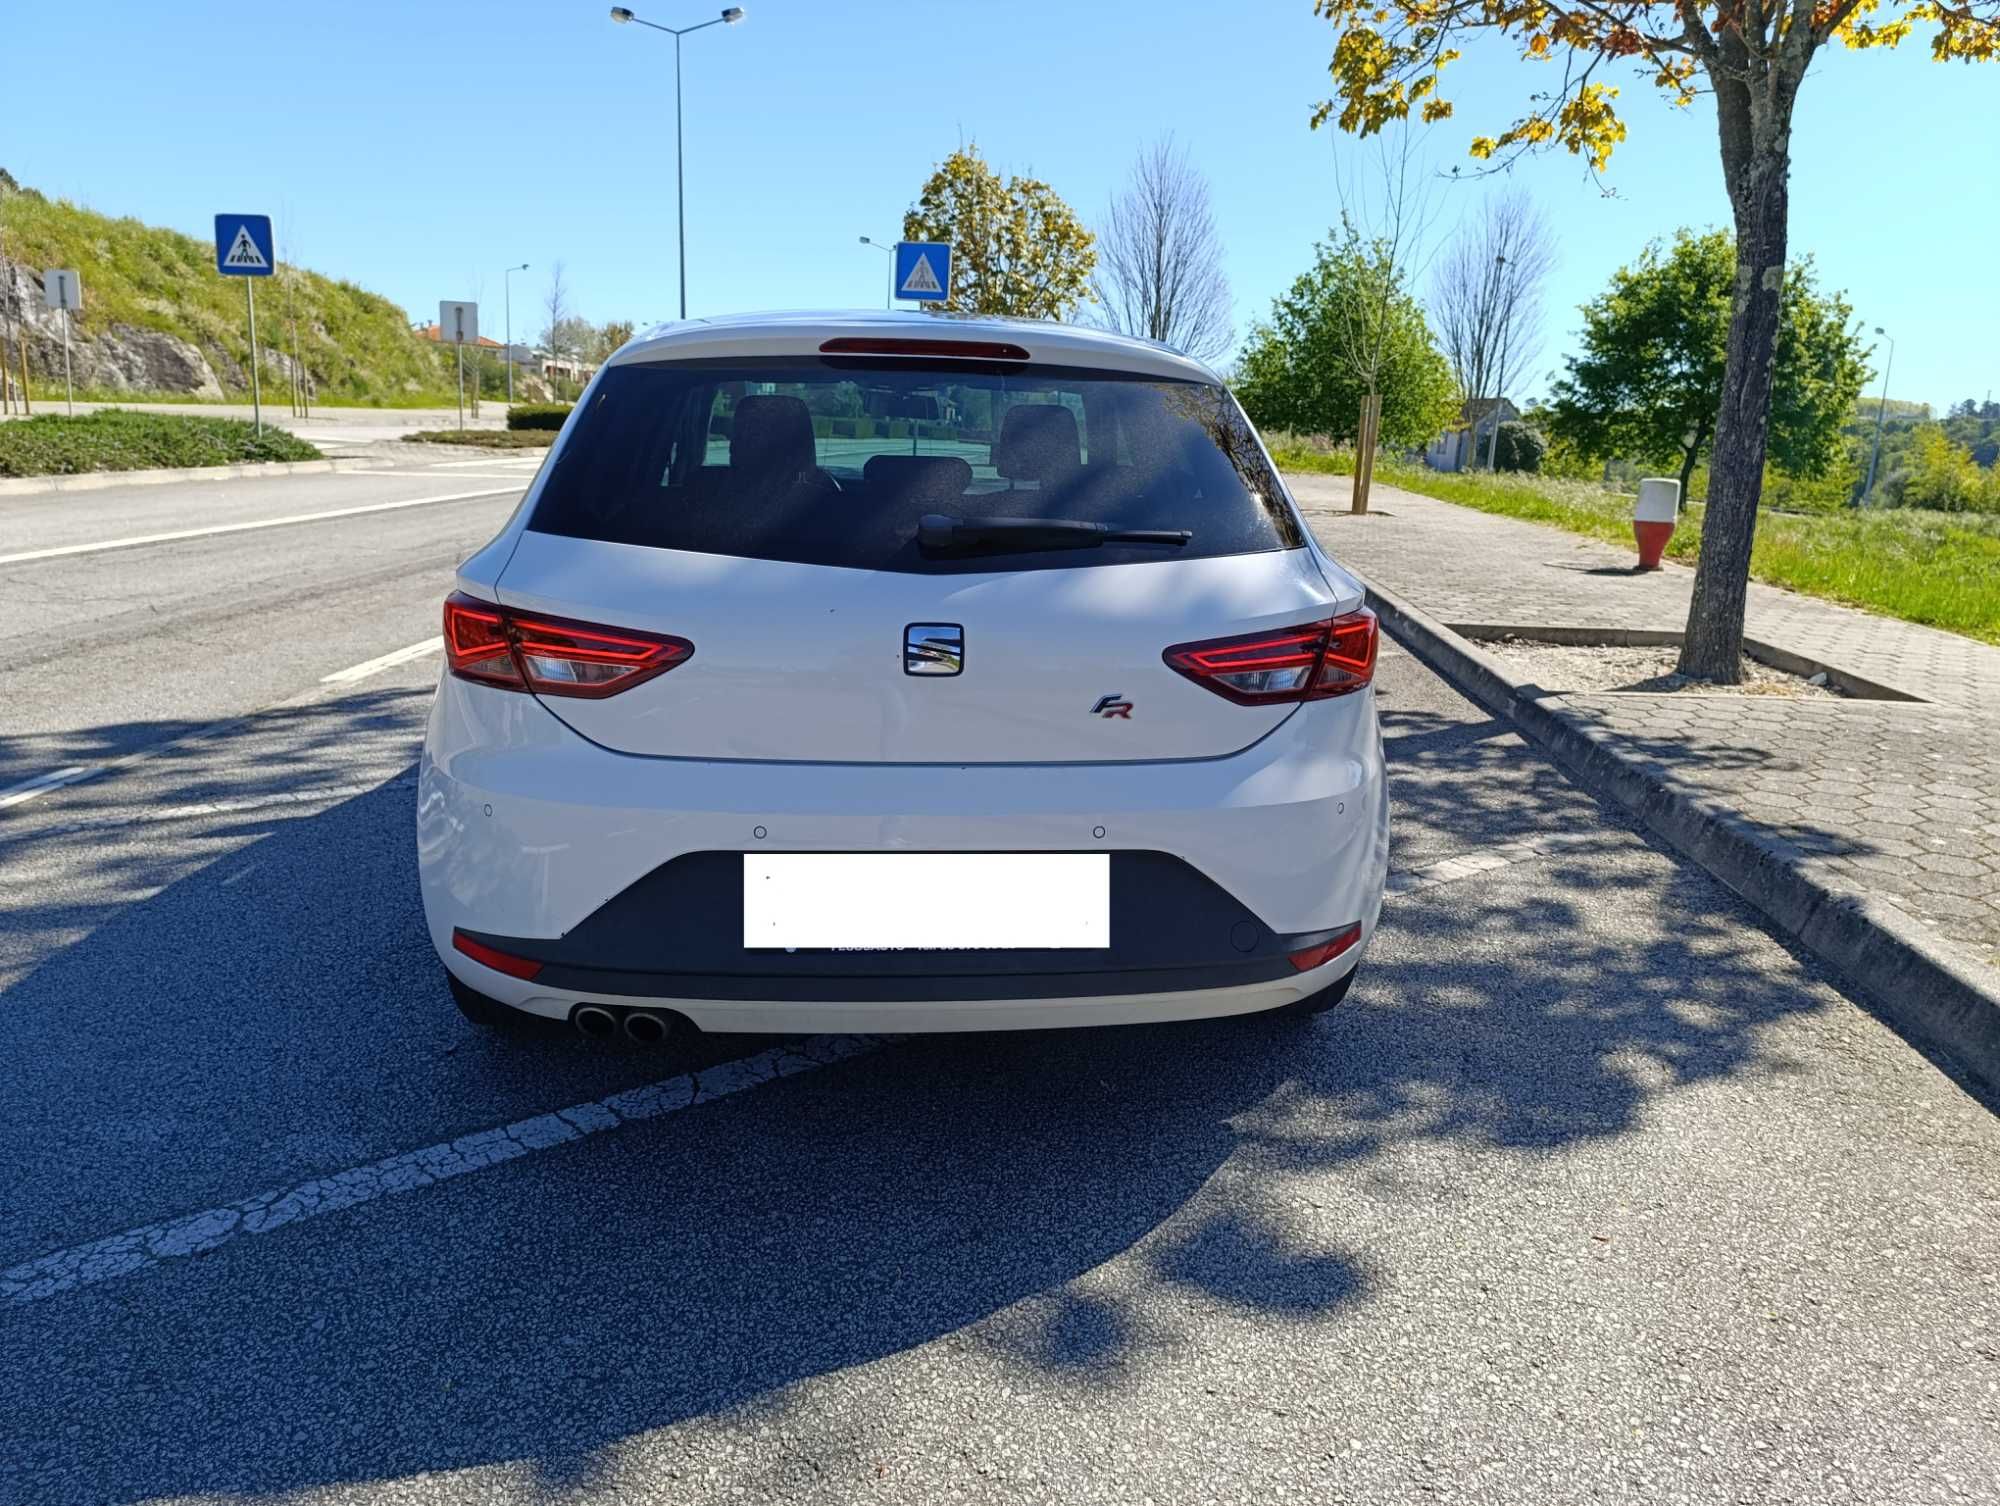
x=1471, y=864
x=41, y=784
x=195, y=1233
x=381, y=662
x=202, y=533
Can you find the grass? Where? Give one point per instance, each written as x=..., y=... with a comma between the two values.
x=486, y=439
x=357, y=344
x=116, y=440
x=1940, y=569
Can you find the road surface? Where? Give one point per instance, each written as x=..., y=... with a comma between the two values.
x=1591, y=1190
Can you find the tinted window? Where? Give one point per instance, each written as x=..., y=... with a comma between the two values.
x=832, y=462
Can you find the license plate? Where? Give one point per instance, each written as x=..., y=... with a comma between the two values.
x=888, y=901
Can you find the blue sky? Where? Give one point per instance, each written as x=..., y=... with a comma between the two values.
x=419, y=148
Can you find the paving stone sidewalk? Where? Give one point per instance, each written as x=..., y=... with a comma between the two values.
x=1895, y=800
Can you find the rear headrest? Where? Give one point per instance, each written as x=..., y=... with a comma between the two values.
x=1037, y=443
x=931, y=477
x=771, y=436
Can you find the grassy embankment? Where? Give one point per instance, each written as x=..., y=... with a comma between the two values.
x=1942, y=569
x=112, y=440
x=357, y=344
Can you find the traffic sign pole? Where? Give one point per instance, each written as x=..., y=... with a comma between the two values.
x=461, y=386
x=69, y=391
x=256, y=392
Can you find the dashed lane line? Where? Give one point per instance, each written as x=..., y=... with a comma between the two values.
x=375, y=666
x=137, y=539
x=152, y=1245
x=41, y=784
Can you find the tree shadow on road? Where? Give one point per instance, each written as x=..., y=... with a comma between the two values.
x=1046, y=1200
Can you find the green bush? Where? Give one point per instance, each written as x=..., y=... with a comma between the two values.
x=489, y=439
x=538, y=415
x=115, y=439
x=1517, y=447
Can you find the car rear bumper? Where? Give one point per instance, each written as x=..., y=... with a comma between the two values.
x=543, y=844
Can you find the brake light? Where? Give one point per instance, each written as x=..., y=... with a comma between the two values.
x=1311, y=662
x=972, y=350
x=510, y=650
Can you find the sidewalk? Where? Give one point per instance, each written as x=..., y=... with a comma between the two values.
x=1887, y=807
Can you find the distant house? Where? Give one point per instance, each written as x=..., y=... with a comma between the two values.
x=431, y=333
x=556, y=368
x=1459, y=448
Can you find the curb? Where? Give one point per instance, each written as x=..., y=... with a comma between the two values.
x=1926, y=990
x=90, y=481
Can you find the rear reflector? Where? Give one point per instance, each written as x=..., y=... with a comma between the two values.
x=511, y=650
x=969, y=350
x=1310, y=662
x=500, y=962
x=1308, y=958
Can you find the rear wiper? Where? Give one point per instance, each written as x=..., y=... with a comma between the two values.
x=935, y=531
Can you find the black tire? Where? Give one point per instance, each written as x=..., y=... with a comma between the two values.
x=1324, y=1000
x=489, y=1014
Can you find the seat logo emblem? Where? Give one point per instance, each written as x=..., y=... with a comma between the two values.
x=933, y=648
x=1113, y=705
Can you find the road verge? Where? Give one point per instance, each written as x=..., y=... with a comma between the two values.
x=90, y=481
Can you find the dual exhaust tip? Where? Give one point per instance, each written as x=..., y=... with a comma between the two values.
x=642, y=1027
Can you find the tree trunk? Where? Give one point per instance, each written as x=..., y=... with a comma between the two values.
x=1755, y=126
x=1687, y=470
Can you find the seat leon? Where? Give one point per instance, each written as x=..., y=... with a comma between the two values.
x=892, y=672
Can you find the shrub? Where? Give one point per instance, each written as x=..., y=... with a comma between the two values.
x=491, y=439
x=538, y=415
x=116, y=439
x=1518, y=447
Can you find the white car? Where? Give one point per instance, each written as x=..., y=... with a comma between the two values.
x=887, y=672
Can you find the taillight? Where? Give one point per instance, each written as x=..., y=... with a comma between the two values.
x=1308, y=958
x=1306, y=663
x=513, y=650
x=491, y=956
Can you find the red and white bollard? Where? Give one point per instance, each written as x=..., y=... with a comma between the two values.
x=1654, y=516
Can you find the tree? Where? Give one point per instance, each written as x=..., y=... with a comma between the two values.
x=1648, y=382
x=1017, y=248
x=1487, y=295
x=1160, y=266
x=556, y=334
x=1293, y=374
x=607, y=337
x=1754, y=54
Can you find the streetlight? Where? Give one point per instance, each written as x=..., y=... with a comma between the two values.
x=508, y=288
x=729, y=17
x=1500, y=376
x=888, y=298
x=1875, y=450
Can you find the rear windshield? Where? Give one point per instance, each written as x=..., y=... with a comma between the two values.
x=833, y=462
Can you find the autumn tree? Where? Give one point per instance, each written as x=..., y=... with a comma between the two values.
x=1295, y=372
x=1647, y=382
x=1388, y=62
x=1017, y=248
x=1160, y=274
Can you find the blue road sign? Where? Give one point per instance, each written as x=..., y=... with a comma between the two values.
x=243, y=245
x=923, y=270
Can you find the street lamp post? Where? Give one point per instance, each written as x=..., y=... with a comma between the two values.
x=508, y=290
x=889, y=297
x=1875, y=450
x=729, y=17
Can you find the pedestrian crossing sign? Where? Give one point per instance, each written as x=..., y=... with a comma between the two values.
x=243, y=246
x=923, y=270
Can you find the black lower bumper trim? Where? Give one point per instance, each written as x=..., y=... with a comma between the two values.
x=677, y=934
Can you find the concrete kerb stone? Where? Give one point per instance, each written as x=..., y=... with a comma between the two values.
x=1924, y=988
x=90, y=481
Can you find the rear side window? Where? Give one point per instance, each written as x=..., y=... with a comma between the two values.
x=834, y=461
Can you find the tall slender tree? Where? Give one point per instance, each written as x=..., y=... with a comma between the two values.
x=1486, y=295
x=1388, y=62
x=1160, y=270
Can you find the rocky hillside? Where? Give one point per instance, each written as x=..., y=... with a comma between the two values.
x=158, y=319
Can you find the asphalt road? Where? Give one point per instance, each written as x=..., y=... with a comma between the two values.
x=1591, y=1190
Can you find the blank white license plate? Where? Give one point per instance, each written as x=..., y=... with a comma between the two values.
x=883, y=901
